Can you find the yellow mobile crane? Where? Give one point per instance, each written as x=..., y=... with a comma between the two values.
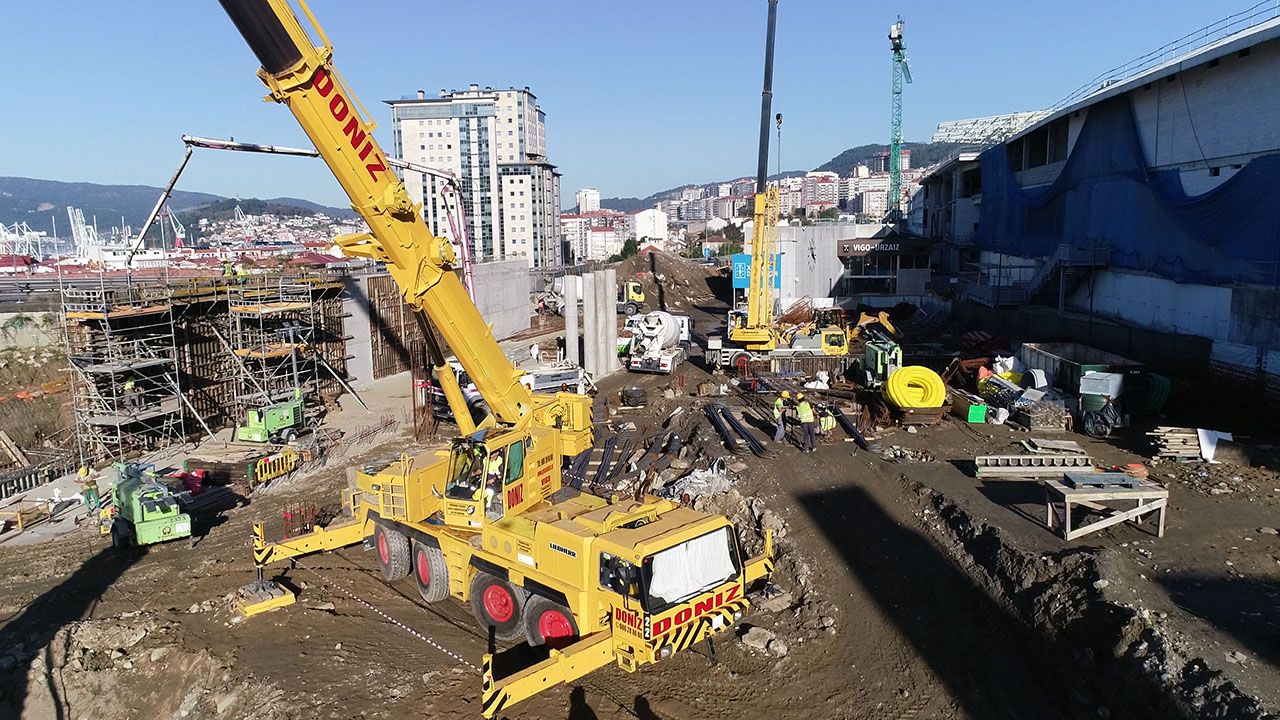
x=488, y=521
x=753, y=333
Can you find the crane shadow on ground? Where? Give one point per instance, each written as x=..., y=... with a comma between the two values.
x=989, y=662
x=1244, y=608
x=36, y=627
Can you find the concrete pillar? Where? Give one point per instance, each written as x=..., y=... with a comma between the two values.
x=590, y=325
x=571, y=325
x=602, y=336
x=609, y=316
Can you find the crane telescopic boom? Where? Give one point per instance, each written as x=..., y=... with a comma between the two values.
x=755, y=331
x=302, y=77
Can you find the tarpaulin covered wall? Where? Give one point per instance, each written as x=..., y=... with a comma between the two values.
x=1107, y=197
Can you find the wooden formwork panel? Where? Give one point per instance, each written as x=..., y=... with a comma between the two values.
x=392, y=327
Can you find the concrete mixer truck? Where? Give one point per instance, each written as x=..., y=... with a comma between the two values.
x=660, y=343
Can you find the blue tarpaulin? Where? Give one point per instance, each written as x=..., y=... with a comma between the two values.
x=1106, y=196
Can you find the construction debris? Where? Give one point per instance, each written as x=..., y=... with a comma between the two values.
x=1041, y=446
x=896, y=453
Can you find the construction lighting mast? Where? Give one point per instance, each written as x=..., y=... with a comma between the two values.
x=901, y=73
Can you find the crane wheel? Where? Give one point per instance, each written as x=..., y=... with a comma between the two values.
x=739, y=361
x=430, y=571
x=498, y=605
x=630, y=309
x=549, y=623
x=392, y=548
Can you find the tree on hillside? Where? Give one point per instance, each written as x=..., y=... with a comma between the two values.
x=831, y=213
x=733, y=233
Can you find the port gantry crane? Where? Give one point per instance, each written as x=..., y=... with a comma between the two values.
x=488, y=521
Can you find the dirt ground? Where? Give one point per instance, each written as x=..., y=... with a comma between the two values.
x=903, y=590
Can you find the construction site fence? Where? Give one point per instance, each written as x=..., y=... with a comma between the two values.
x=804, y=365
x=28, y=478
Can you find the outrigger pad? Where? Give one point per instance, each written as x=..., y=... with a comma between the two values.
x=260, y=596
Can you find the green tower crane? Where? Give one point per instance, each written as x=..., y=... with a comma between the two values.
x=901, y=72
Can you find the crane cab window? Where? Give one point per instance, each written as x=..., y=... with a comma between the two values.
x=466, y=472
x=491, y=494
x=619, y=576
x=835, y=339
x=515, y=462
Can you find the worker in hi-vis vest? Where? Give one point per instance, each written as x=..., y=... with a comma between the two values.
x=779, y=415
x=808, y=424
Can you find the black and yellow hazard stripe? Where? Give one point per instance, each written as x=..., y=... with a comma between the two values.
x=492, y=698
x=260, y=555
x=685, y=637
x=768, y=565
x=261, y=548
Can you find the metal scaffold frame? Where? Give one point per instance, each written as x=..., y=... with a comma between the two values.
x=276, y=334
x=126, y=391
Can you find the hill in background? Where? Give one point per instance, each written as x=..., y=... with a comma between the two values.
x=922, y=155
x=35, y=202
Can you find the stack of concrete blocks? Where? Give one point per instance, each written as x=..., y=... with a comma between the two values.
x=599, y=324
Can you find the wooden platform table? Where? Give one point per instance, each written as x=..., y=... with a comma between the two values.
x=1059, y=497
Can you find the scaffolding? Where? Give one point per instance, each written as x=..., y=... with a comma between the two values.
x=157, y=362
x=126, y=391
x=282, y=334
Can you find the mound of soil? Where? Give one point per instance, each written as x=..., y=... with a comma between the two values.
x=671, y=282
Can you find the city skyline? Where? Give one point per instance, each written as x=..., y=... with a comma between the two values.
x=629, y=113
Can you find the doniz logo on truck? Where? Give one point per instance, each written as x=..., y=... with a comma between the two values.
x=630, y=621
x=660, y=626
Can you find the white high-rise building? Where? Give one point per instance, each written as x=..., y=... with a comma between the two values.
x=495, y=143
x=651, y=224
x=588, y=200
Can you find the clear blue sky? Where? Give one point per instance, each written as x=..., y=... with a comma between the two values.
x=639, y=96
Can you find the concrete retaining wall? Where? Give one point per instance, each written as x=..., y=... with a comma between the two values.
x=502, y=295
x=29, y=330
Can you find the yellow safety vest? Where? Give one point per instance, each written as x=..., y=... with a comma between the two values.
x=495, y=466
x=777, y=409
x=804, y=411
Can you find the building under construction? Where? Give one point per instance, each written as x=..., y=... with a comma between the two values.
x=165, y=362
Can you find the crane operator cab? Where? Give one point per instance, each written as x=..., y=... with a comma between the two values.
x=484, y=477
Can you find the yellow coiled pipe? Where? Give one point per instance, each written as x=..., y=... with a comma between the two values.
x=915, y=386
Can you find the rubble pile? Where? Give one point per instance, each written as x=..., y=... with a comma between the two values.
x=897, y=453
x=1209, y=479
x=107, y=668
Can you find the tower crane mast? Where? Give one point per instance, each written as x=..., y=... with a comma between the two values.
x=901, y=75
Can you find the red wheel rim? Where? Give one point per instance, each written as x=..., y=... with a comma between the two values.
x=384, y=553
x=498, y=604
x=424, y=569
x=554, y=628
x=741, y=364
